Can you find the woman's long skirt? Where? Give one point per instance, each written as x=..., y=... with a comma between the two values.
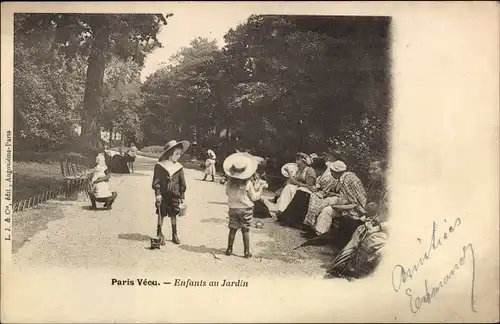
x=296, y=211
x=260, y=210
x=313, y=211
x=286, y=196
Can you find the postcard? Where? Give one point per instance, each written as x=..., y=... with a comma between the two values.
x=289, y=162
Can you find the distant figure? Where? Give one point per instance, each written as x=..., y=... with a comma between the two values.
x=210, y=165
x=132, y=153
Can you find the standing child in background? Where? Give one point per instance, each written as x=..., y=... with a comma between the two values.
x=169, y=185
x=210, y=165
x=241, y=192
x=132, y=153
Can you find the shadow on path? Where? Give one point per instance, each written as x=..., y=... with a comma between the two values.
x=201, y=249
x=218, y=202
x=282, y=242
x=98, y=209
x=214, y=220
x=134, y=237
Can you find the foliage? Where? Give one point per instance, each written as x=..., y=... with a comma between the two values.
x=186, y=89
x=98, y=37
x=280, y=85
x=155, y=150
x=122, y=99
x=48, y=92
x=361, y=143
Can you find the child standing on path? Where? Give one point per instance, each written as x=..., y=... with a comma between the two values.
x=242, y=193
x=210, y=165
x=132, y=153
x=169, y=185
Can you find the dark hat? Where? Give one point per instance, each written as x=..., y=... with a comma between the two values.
x=184, y=145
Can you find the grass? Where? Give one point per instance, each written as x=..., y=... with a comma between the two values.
x=36, y=172
x=33, y=178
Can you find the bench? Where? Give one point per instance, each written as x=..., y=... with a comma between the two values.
x=76, y=173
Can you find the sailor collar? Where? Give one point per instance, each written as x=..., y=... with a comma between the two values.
x=170, y=167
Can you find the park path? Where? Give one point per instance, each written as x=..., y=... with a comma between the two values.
x=76, y=237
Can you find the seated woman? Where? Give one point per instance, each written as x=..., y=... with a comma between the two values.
x=323, y=197
x=362, y=253
x=119, y=164
x=308, y=197
x=348, y=206
x=305, y=177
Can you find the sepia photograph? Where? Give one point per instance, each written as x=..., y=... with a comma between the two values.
x=276, y=129
x=199, y=155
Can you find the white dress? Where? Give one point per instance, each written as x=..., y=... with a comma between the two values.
x=210, y=167
x=289, y=191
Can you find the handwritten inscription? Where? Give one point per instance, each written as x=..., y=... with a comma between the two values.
x=416, y=302
x=402, y=275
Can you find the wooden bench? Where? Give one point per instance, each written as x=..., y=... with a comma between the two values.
x=76, y=173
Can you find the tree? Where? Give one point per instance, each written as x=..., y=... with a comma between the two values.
x=48, y=91
x=122, y=99
x=281, y=84
x=180, y=98
x=97, y=36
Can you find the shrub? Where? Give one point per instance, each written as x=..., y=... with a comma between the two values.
x=361, y=143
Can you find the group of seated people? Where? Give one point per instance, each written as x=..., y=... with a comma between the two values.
x=120, y=162
x=323, y=197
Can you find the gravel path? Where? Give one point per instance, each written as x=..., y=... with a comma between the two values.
x=72, y=236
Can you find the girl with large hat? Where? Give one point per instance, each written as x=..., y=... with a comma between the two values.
x=242, y=193
x=210, y=165
x=169, y=185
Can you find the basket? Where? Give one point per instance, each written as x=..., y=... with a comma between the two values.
x=182, y=211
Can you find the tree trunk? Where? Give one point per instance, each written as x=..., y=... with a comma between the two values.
x=92, y=102
x=111, y=136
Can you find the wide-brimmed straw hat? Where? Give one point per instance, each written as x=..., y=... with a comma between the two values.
x=184, y=145
x=240, y=166
x=337, y=166
x=292, y=166
x=211, y=154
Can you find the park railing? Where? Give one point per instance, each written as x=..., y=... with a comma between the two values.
x=76, y=178
x=66, y=189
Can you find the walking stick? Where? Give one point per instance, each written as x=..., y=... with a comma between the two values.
x=156, y=240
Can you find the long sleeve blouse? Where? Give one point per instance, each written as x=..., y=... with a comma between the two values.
x=166, y=184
